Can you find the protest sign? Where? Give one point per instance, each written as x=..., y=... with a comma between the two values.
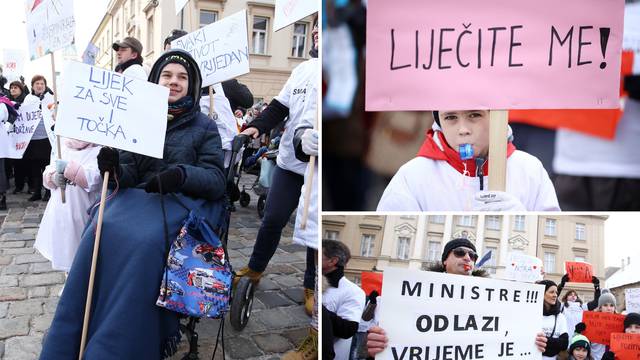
x=289, y=11
x=430, y=315
x=578, y=271
x=180, y=5
x=50, y=26
x=626, y=346
x=468, y=55
x=523, y=268
x=220, y=49
x=13, y=145
x=111, y=109
x=90, y=54
x=370, y=281
x=632, y=300
x=12, y=64
x=601, y=325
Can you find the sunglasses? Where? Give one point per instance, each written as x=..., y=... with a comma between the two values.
x=461, y=252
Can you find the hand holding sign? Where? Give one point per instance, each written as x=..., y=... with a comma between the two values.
x=578, y=271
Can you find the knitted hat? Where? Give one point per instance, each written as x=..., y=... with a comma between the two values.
x=456, y=243
x=580, y=341
x=606, y=297
x=547, y=284
x=631, y=319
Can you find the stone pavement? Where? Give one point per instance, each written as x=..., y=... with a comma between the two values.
x=29, y=289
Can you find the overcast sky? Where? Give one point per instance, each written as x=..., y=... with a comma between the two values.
x=14, y=34
x=621, y=237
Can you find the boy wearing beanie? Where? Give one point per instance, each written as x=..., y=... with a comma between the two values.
x=580, y=348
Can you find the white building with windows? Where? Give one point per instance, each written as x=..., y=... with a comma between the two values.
x=272, y=55
x=416, y=241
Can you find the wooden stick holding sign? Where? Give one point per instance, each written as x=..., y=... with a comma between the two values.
x=311, y=168
x=498, y=130
x=55, y=109
x=211, y=101
x=94, y=260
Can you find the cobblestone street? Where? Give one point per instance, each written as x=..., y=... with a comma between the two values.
x=29, y=289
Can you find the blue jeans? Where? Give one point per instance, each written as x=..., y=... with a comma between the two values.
x=282, y=200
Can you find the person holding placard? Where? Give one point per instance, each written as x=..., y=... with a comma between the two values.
x=38, y=151
x=606, y=304
x=288, y=176
x=458, y=257
x=18, y=94
x=7, y=112
x=572, y=306
x=554, y=323
x=450, y=172
x=631, y=326
x=125, y=322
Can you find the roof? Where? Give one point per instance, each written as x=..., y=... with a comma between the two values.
x=629, y=275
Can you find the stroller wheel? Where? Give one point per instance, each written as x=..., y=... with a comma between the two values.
x=261, y=202
x=242, y=303
x=244, y=199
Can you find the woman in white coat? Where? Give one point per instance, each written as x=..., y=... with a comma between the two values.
x=62, y=224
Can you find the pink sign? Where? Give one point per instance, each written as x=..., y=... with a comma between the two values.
x=493, y=54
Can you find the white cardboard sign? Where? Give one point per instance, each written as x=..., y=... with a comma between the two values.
x=289, y=11
x=220, y=48
x=12, y=64
x=180, y=4
x=632, y=300
x=430, y=315
x=523, y=268
x=13, y=145
x=107, y=108
x=50, y=26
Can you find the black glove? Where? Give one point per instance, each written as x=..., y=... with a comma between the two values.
x=609, y=355
x=565, y=278
x=170, y=179
x=595, y=281
x=580, y=327
x=108, y=160
x=17, y=106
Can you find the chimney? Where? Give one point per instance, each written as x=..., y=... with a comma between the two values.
x=622, y=267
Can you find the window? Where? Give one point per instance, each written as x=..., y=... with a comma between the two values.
x=366, y=245
x=117, y=30
x=519, y=223
x=581, y=231
x=550, y=227
x=437, y=219
x=208, y=17
x=259, y=39
x=466, y=220
x=580, y=258
x=299, y=40
x=150, y=33
x=549, y=262
x=330, y=235
x=403, y=248
x=132, y=8
x=493, y=261
x=493, y=222
x=434, y=251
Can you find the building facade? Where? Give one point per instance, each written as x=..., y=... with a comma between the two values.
x=273, y=55
x=416, y=241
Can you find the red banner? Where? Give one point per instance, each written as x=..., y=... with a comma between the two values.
x=580, y=272
x=601, y=325
x=371, y=281
x=626, y=346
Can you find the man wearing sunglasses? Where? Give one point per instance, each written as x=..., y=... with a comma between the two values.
x=458, y=257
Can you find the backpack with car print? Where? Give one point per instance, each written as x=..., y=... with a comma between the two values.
x=197, y=279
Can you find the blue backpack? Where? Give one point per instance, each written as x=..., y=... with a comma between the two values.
x=197, y=277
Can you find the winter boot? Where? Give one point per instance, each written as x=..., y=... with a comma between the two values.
x=254, y=276
x=308, y=350
x=308, y=301
x=3, y=202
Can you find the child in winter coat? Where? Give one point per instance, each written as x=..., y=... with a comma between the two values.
x=580, y=348
x=449, y=172
x=62, y=224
